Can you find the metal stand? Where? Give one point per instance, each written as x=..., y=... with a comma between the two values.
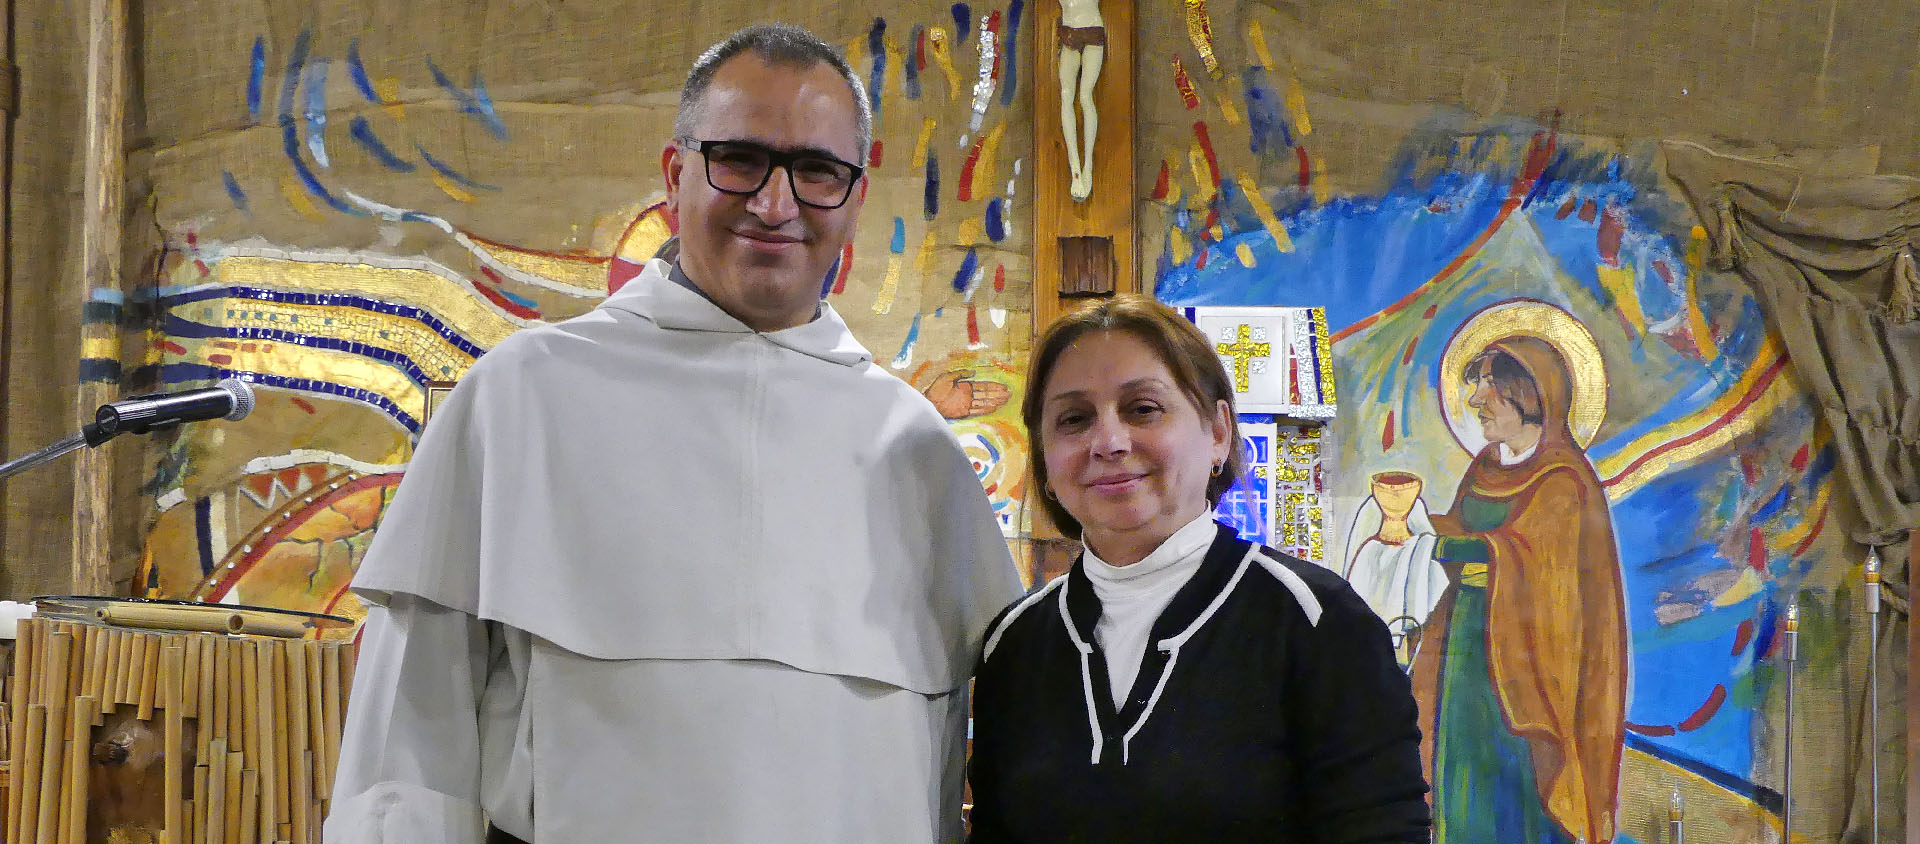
x=45, y=455
x=1676, y=819
x=1873, y=684
x=1786, y=791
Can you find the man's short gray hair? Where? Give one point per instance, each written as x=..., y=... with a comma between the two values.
x=775, y=44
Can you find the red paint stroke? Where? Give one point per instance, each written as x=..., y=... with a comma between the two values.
x=225, y=344
x=1757, y=549
x=294, y=521
x=620, y=273
x=1386, y=433
x=1665, y=270
x=966, y=170
x=999, y=57
x=846, y=267
x=1759, y=386
x=1185, y=84
x=1000, y=278
x=1742, y=635
x=1705, y=713
x=973, y=325
x=1306, y=167
x=1819, y=524
x=220, y=360
x=202, y=267
x=1650, y=729
x=1206, y=148
x=1213, y=219
x=1749, y=468
x=873, y=155
x=1539, y=153
x=501, y=300
x=1163, y=185
x=1407, y=356
x=920, y=51
x=1200, y=263
x=303, y=404
x=1566, y=208
x=1800, y=457
x=193, y=238
x=1431, y=310
x=1587, y=210
x=173, y=347
x=1613, y=227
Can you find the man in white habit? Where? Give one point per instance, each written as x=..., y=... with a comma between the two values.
x=690, y=567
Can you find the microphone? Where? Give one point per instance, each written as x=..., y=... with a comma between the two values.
x=231, y=399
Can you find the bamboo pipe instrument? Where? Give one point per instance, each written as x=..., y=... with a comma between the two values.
x=173, y=667
x=52, y=755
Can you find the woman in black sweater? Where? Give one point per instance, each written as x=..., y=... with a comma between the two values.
x=1177, y=684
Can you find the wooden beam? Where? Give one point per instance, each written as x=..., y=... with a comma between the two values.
x=1109, y=211
x=1913, y=691
x=100, y=242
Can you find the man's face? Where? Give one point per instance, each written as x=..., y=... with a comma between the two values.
x=1499, y=419
x=763, y=257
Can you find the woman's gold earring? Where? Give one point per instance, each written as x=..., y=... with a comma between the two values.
x=1217, y=467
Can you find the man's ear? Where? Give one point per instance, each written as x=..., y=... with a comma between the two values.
x=672, y=162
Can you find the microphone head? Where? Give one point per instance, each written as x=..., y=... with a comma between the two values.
x=242, y=393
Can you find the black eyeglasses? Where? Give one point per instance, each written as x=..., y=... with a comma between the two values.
x=743, y=168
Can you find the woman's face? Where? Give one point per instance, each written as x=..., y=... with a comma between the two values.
x=1127, y=453
x=1499, y=418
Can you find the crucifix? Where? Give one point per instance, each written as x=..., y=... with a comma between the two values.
x=1248, y=357
x=1084, y=237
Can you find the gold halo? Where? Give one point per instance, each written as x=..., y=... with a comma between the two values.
x=1586, y=371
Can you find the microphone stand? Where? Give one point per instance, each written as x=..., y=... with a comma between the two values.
x=1793, y=656
x=90, y=436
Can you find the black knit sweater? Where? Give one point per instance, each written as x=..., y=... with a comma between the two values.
x=1268, y=708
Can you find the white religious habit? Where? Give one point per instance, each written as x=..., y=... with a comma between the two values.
x=655, y=576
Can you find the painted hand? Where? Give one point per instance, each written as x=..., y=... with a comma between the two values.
x=958, y=398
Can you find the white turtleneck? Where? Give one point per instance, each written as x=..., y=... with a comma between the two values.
x=1132, y=598
x=1508, y=457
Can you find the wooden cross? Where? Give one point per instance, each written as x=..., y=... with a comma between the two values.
x=1083, y=247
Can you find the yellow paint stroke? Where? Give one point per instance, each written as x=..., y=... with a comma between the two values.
x=388, y=88
x=1177, y=243
x=1228, y=110
x=1297, y=105
x=1619, y=282
x=456, y=305
x=1258, y=38
x=100, y=348
x=1697, y=323
x=1697, y=250
x=1281, y=240
x=583, y=272
x=920, y=145
x=1792, y=537
x=1202, y=180
x=451, y=189
x=972, y=232
x=923, y=260
x=983, y=175
x=1322, y=186
x=889, y=286
x=1245, y=254
x=1778, y=393
x=1200, y=32
x=645, y=239
x=1748, y=585
x=937, y=41
x=1217, y=232
x=297, y=197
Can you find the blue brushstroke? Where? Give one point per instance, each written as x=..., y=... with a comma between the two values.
x=175, y=373
x=1009, y=47
x=968, y=266
x=290, y=83
x=931, y=205
x=449, y=172
x=315, y=113
x=877, y=78
x=290, y=129
x=362, y=133
x=176, y=296
x=899, y=244
x=234, y=192
x=905, y=356
x=256, y=78
x=474, y=103
x=962, y=23
x=996, y=222
x=1266, y=114
x=911, y=66
x=358, y=70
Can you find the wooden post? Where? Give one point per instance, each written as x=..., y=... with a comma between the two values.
x=100, y=234
x=9, y=87
x=1913, y=691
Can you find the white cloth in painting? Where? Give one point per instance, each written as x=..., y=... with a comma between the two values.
x=1395, y=580
x=652, y=570
x=1132, y=598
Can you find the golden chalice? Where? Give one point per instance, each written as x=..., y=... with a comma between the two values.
x=1395, y=491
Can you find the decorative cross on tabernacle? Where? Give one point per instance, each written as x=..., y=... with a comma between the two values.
x=1243, y=351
